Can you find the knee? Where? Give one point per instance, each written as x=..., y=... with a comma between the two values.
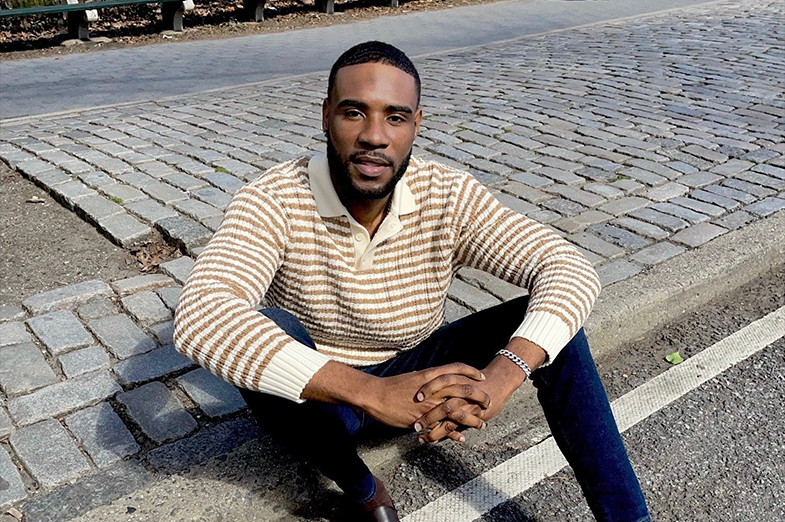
x=289, y=324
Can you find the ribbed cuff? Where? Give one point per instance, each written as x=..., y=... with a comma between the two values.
x=546, y=331
x=290, y=370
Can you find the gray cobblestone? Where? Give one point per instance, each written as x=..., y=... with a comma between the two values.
x=617, y=271
x=698, y=234
x=125, y=230
x=157, y=412
x=170, y=296
x=766, y=207
x=66, y=297
x=657, y=253
x=184, y=182
x=470, y=296
x=750, y=188
x=624, y=238
x=188, y=233
x=667, y=191
x=146, y=307
x=5, y=429
x=497, y=287
x=196, y=209
x=60, y=331
x=164, y=193
x=23, y=369
x=225, y=182
x=699, y=179
x=714, y=199
x=14, y=489
x=157, y=363
x=163, y=332
x=732, y=193
x=581, y=221
x=63, y=397
x=770, y=170
x=121, y=336
x=70, y=191
x=13, y=333
x=644, y=176
x=522, y=191
x=122, y=194
x=578, y=196
x=698, y=206
x=735, y=220
x=732, y=167
x=212, y=395
x=454, y=311
x=96, y=208
x=178, y=269
x=102, y=434
x=762, y=180
x=594, y=244
x=704, y=153
x=150, y=210
x=156, y=169
x=563, y=206
x=49, y=453
x=680, y=212
x=135, y=284
x=532, y=180
x=640, y=227
x=518, y=205
x=560, y=175
x=624, y=205
x=10, y=313
x=760, y=155
x=84, y=361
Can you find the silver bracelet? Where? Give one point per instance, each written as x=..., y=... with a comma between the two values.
x=520, y=363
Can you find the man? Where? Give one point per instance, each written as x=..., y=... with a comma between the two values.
x=354, y=252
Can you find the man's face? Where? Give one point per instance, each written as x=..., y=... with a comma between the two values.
x=371, y=119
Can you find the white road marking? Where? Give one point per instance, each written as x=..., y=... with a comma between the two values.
x=514, y=476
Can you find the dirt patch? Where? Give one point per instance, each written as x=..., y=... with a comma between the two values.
x=45, y=246
x=129, y=26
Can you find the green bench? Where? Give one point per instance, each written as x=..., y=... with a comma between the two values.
x=80, y=15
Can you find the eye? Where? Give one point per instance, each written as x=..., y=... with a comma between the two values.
x=353, y=113
x=396, y=118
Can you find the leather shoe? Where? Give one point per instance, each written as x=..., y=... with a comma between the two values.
x=383, y=514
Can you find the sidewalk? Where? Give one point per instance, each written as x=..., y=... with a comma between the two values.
x=656, y=145
x=53, y=84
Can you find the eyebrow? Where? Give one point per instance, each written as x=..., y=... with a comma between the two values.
x=361, y=105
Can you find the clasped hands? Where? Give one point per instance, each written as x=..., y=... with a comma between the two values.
x=440, y=402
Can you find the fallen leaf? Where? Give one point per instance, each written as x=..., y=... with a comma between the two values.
x=674, y=358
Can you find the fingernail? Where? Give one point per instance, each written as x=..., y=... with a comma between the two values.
x=483, y=425
x=417, y=426
x=422, y=440
x=420, y=397
x=482, y=376
x=462, y=438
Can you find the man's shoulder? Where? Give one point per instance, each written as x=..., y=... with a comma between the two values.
x=430, y=175
x=282, y=178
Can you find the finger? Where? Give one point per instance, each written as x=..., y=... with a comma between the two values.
x=441, y=431
x=442, y=381
x=450, y=410
x=457, y=436
x=457, y=368
x=465, y=391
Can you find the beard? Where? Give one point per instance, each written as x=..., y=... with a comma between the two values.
x=339, y=171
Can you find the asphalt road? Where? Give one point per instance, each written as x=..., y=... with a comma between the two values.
x=54, y=84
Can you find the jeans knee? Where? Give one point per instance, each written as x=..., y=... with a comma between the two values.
x=289, y=324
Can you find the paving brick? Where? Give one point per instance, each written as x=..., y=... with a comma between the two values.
x=164, y=193
x=454, y=311
x=766, y=207
x=163, y=332
x=139, y=283
x=150, y=210
x=732, y=167
x=470, y=296
x=594, y=244
x=23, y=369
x=762, y=180
x=644, y=176
x=731, y=193
x=657, y=253
x=680, y=212
x=666, y=221
x=617, y=271
x=578, y=196
x=667, y=191
x=714, y=199
x=522, y=191
x=121, y=336
x=698, y=206
x=184, y=182
x=156, y=169
x=97, y=208
x=13, y=489
x=212, y=395
x=10, y=313
x=657, y=168
x=62, y=397
x=14, y=333
x=157, y=363
x=66, y=297
x=735, y=220
x=146, y=307
x=750, y=188
x=96, y=308
x=5, y=429
x=563, y=206
x=641, y=228
x=698, y=234
x=495, y=286
x=185, y=231
x=581, y=221
x=771, y=170
x=196, y=209
x=760, y=155
x=518, y=205
x=60, y=331
x=83, y=361
x=95, y=179
x=532, y=180
x=102, y=434
x=624, y=205
x=603, y=190
x=704, y=153
x=214, y=198
x=178, y=269
x=69, y=192
x=170, y=296
x=699, y=179
x=157, y=412
x=49, y=453
x=624, y=238
x=629, y=186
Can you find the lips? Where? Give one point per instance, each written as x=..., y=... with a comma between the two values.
x=371, y=166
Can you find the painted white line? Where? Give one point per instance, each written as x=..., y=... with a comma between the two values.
x=514, y=476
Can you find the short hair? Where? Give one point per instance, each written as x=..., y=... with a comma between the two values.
x=374, y=52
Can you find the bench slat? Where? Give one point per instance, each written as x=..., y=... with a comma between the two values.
x=64, y=8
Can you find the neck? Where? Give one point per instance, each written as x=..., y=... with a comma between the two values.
x=369, y=212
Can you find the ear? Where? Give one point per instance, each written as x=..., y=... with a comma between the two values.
x=417, y=120
x=325, y=114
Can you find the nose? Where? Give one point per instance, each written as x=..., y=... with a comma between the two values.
x=374, y=133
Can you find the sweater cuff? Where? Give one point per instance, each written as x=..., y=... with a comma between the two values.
x=290, y=370
x=545, y=330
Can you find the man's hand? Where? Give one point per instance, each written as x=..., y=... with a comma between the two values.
x=503, y=377
x=401, y=400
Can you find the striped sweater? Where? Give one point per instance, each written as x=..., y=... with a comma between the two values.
x=274, y=245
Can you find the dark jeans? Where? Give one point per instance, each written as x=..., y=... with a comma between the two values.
x=569, y=390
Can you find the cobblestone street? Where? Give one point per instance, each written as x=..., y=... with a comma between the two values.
x=637, y=140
